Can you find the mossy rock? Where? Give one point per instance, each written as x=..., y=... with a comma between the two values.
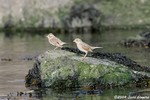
x=64, y=69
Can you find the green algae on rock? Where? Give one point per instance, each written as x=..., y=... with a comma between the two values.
x=64, y=69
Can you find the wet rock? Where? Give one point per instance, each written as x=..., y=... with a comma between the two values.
x=25, y=58
x=33, y=78
x=62, y=69
x=116, y=57
x=145, y=34
x=28, y=57
x=83, y=15
x=21, y=95
x=141, y=40
x=145, y=93
x=6, y=59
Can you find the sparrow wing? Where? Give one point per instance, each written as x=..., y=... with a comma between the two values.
x=60, y=42
x=86, y=46
x=55, y=41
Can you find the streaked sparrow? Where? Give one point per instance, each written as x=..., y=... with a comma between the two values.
x=55, y=41
x=84, y=47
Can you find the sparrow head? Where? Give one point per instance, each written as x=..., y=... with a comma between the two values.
x=50, y=35
x=77, y=40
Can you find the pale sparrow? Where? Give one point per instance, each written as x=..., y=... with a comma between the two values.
x=55, y=41
x=84, y=47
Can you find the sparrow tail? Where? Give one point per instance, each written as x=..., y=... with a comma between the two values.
x=64, y=43
x=96, y=47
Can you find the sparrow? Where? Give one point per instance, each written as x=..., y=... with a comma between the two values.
x=55, y=41
x=84, y=47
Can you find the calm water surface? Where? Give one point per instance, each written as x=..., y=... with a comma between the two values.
x=12, y=73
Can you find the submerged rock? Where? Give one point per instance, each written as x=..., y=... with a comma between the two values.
x=65, y=69
x=21, y=95
x=141, y=40
x=145, y=93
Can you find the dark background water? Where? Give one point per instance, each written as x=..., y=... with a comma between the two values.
x=12, y=73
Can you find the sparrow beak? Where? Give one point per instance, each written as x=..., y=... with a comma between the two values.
x=74, y=41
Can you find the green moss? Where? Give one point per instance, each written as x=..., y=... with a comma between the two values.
x=69, y=71
x=116, y=78
x=117, y=74
x=53, y=73
x=91, y=71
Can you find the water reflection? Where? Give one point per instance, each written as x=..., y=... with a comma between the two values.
x=110, y=94
x=12, y=73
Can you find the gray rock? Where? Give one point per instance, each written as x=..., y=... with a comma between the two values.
x=64, y=69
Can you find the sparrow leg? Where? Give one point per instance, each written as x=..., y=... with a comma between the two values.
x=84, y=56
x=55, y=48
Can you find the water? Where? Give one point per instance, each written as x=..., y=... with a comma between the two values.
x=12, y=73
